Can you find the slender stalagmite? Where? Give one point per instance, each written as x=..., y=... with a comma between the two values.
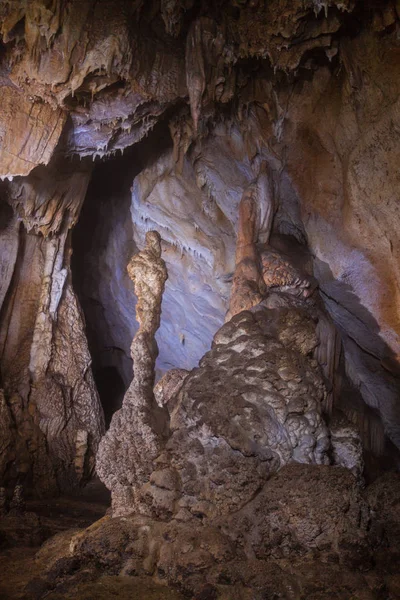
x=138, y=431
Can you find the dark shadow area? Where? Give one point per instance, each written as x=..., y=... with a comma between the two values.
x=111, y=390
x=370, y=374
x=6, y=214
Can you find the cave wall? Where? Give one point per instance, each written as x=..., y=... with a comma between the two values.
x=47, y=382
x=342, y=147
x=195, y=208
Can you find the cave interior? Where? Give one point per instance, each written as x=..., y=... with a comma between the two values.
x=200, y=299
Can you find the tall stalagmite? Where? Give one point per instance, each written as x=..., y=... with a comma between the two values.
x=138, y=430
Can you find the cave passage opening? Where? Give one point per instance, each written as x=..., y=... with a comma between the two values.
x=102, y=244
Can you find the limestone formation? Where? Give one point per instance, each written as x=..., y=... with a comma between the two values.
x=137, y=431
x=347, y=449
x=247, y=285
x=261, y=365
x=259, y=268
x=32, y=138
x=289, y=81
x=7, y=439
x=49, y=392
x=253, y=405
x=167, y=389
x=309, y=529
x=261, y=271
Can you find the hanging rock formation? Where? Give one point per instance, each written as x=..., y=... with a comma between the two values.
x=48, y=387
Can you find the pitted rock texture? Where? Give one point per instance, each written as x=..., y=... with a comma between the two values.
x=167, y=389
x=253, y=405
x=138, y=429
x=309, y=533
x=346, y=443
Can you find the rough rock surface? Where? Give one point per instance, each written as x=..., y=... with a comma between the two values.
x=167, y=389
x=253, y=405
x=310, y=88
x=33, y=137
x=127, y=451
x=45, y=362
x=309, y=533
x=219, y=453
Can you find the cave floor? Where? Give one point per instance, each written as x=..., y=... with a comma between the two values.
x=23, y=564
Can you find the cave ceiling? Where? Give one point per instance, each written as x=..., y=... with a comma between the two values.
x=113, y=68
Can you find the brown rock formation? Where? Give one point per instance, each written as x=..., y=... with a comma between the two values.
x=311, y=86
x=253, y=405
x=45, y=362
x=167, y=389
x=259, y=270
x=137, y=431
x=275, y=131
x=309, y=529
x=32, y=138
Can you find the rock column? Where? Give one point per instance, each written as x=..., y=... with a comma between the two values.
x=138, y=431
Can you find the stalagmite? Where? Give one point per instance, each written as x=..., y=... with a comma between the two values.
x=138, y=431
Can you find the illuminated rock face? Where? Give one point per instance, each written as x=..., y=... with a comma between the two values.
x=249, y=149
x=253, y=405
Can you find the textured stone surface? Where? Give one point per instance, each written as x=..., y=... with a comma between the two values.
x=137, y=430
x=309, y=89
x=167, y=389
x=346, y=442
x=252, y=406
x=310, y=532
x=45, y=362
x=29, y=131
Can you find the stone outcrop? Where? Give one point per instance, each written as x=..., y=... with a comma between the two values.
x=261, y=269
x=310, y=531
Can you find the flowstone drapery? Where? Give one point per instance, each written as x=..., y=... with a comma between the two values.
x=51, y=415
